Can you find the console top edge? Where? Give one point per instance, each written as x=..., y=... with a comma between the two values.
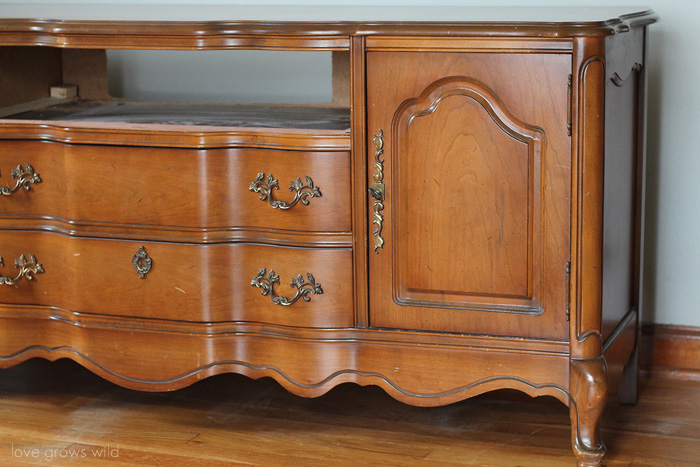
x=35, y=23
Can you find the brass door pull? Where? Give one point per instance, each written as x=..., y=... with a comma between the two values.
x=377, y=189
x=304, y=289
x=27, y=268
x=302, y=192
x=24, y=177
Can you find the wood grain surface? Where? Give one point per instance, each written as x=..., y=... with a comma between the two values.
x=229, y=420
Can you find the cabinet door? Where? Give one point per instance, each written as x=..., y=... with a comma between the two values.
x=473, y=232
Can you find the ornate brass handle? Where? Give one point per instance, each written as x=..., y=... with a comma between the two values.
x=27, y=268
x=377, y=189
x=23, y=177
x=301, y=192
x=303, y=288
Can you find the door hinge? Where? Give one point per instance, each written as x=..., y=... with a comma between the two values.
x=569, y=105
x=567, y=282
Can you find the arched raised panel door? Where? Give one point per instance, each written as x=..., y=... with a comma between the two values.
x=467, y=239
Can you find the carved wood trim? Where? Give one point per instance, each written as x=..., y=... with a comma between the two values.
x=300, y=35
x=178, y=36
x=227, y=234
x=313, y=389
x=587, y=198
x=585, y=83
x=91, y=321
x=469, y=45
x=532, y=136
x=181, y=136
x=358, y=154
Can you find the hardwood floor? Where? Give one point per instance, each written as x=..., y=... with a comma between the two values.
x=72, y=417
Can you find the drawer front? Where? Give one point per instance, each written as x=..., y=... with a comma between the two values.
x=184, y=282
x=188, y=188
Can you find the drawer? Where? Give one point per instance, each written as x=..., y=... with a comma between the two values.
x=186, y=282
x=180, y=188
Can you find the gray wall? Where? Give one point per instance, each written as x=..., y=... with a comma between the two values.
x=672, y=288
x=243, y=76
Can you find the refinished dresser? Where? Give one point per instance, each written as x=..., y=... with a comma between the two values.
x=464, y=216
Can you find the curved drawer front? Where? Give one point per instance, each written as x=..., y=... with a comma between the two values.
x=188, y=188
x=186, y=282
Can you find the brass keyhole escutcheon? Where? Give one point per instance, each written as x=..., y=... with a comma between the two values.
x=142, y=262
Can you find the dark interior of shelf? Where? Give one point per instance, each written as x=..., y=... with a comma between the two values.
x=304, y=117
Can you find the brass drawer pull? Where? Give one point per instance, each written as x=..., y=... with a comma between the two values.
x=27, y=268
x=301, y=192
x=303, y=288
x=377, y=190
x=142, y=262
x=23, y=177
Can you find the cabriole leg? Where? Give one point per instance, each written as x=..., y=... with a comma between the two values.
x=588, y=382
